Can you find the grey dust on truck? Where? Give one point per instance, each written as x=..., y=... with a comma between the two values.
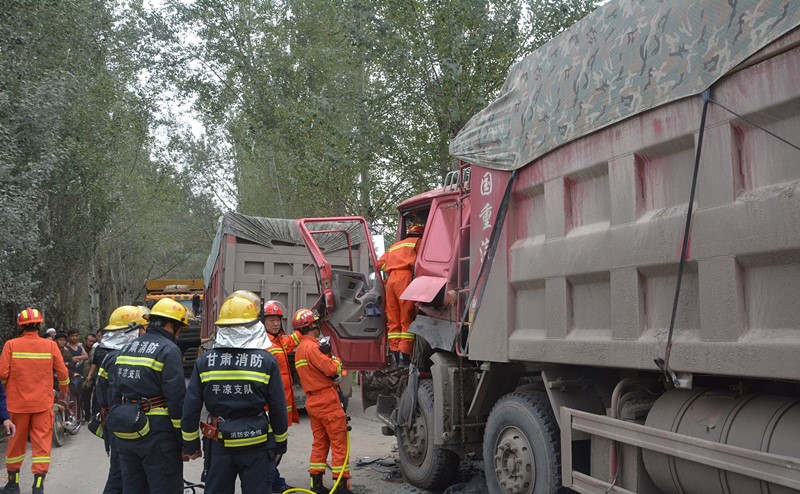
x=607, y=286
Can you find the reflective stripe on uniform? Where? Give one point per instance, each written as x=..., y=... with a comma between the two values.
x=276, y=350
x=65, y=382
x=407, y=336
x=295, y=338
x=317, y=466
x=150, y=363
x=15, y=459
x=300, y=363
x=102, y=373
x=190, y=436
x=225, y=375
x=279, y=438
x=400, y=246
x=134, y=435
x=40, y=459
x=394, y=336
x=245, y=441
x=339, y=469
x=164, y=412
x=42, y=356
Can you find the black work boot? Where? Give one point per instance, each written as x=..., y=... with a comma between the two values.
x=12, y=486
x=404, y=358
x=38, y=484
x=343, y=487
x=316, y=484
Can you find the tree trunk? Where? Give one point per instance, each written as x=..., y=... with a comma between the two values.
x=94, y=296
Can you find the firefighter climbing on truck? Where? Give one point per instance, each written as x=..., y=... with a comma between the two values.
x=398, y=263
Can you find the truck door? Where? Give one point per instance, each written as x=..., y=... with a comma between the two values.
x=351, y=290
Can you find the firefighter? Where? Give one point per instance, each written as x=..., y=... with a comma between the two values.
x=147, y=392
x=123, y=327
x=26, y=369
x=319, y=374
x=237, y=380
x=282, y=346
x=398, y=262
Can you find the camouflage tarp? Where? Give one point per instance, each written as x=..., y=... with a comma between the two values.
x=627, y=57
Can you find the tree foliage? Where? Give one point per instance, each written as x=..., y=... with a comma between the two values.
x=307, y=108
x=75, y=167
x=335, y=107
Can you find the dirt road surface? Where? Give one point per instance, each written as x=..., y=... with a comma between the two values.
x=81, y=465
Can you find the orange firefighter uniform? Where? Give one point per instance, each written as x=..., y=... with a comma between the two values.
x=26, y=369
x=282, y=346
x=398, y=262
x=328, y=419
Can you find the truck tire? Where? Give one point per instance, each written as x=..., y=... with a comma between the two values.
x=422, y=462
x=521, y=451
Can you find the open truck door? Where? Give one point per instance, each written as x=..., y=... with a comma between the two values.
x=351, y=301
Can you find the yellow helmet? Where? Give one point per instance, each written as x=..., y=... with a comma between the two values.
x=144, y=313
x=237, y=310
x=122, y=317
x=170, y=309
x=248, y=295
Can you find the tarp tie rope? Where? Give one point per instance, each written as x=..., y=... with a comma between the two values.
x=741, y=117
x=663, y=363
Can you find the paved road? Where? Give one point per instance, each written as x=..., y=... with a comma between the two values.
x=81, y=465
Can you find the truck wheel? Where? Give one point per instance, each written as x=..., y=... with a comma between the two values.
x=521, y=452
x=423, y=463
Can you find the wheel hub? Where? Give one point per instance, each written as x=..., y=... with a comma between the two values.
x=415, y=439
x=514, y=462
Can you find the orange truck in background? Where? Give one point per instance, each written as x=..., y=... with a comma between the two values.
x=190, y=294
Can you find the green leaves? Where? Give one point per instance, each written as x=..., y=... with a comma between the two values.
x=75, y=164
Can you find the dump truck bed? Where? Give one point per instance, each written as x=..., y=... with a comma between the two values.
x=586, y=267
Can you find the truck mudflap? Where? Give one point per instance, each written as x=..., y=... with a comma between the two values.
x=765, y=467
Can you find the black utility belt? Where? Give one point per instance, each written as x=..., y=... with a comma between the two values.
x=237, y=433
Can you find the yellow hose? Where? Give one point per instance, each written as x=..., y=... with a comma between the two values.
x=338, y=479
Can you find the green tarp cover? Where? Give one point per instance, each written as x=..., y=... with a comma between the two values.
x=271, y=231
x=627, y=57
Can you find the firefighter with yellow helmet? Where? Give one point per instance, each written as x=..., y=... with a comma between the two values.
x=125, y=324
x=236, y=381
x=146, y=403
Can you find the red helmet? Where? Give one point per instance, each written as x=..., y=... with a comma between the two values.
x=303, y=318
x=273, y=308
x=415, y=230
x=29, y=316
